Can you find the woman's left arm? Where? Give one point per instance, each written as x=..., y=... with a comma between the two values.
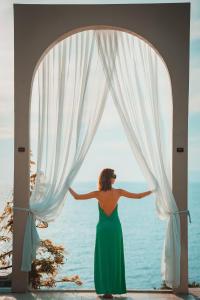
x=83, y=196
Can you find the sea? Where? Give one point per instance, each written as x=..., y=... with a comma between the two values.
x=143, y=236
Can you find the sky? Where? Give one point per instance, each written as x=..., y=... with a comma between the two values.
x=107, y=149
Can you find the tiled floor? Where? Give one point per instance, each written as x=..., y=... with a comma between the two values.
x=194, y=294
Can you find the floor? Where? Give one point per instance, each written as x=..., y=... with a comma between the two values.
x=194, y=293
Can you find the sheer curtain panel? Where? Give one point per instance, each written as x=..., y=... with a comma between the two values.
x=71, y=90
x=139, y=99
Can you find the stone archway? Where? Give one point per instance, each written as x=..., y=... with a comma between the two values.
x=38, y=26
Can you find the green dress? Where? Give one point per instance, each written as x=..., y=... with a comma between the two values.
x=109, y=266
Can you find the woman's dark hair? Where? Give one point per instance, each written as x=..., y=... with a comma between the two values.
x=105, y=176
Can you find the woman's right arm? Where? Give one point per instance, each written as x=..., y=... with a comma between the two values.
x=124, y=193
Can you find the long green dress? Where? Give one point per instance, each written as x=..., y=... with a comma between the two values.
x=109, y=266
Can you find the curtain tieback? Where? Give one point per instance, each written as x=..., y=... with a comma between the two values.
x=23, y=209
x=182, y=211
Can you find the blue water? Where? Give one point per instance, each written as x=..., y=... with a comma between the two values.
x=143, y=234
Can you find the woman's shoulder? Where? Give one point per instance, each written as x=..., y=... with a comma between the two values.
x=111, y=190
x=117, y=190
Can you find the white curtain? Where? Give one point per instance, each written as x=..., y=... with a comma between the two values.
x=73, y=81
x=71, y=90
x=139, y=101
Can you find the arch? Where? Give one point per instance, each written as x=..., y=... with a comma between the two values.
x=38, y=26
x=97, y=27
x=66, y=39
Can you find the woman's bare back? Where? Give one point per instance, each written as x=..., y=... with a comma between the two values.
x=108, y=200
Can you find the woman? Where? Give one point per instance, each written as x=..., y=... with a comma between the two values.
x=109, y=266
